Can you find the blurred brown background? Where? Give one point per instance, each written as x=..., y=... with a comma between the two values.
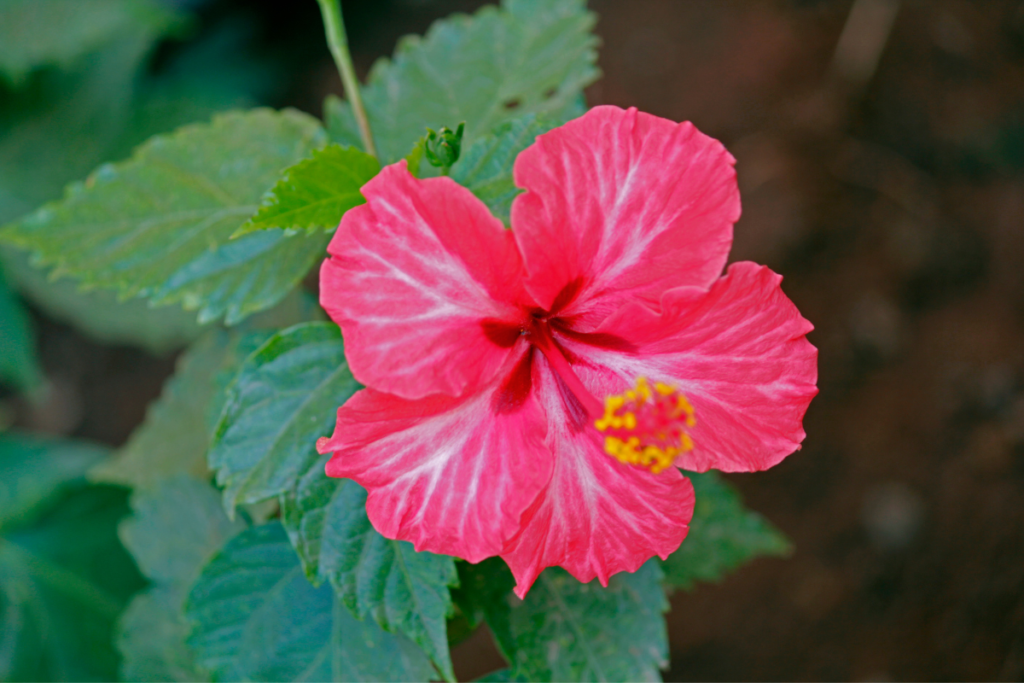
x=883, y=175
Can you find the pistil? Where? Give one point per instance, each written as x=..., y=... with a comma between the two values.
x=542, y=339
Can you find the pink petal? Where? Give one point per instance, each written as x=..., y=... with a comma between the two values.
x=412, y=275
x=740, y=355
x=597, y=517
x=451, y=475
x=621, y=206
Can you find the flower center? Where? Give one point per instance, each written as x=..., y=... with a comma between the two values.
x=647, y=427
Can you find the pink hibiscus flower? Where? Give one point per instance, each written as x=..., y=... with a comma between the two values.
x=529, y=389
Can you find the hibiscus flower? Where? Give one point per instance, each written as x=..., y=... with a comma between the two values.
x=531, y=392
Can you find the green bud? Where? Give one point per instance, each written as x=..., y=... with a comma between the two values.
x=443, y=147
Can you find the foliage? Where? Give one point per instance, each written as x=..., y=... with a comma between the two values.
x=257, y=618
x=159, y=224
x=176, y=528
x=314, y=193
x=62, y=123
x=98, y=313
x=283, y=399
x=176, y=433
x=566, y=630
x=63, y=575
x=486, y=167
x=18, y=363
x=405, y=591
x=529, y=56
x=228, y=216
x=48, y=32
x=723, y=535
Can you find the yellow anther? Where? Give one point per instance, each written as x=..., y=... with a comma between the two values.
x=685, y=406
x=647, y=428
x=642, y=389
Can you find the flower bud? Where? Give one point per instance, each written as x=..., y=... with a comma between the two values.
x=443, y=147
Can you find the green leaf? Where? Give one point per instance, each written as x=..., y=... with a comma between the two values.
x=18, y=363
x=64, y=577
x=484, y=593
x=315, y=193
x=256, y=617
x=530, y=56
x=176, y=527
x=723, y=535
x=99, y=314
x=402, y=589
x=486, y=167
x=285, y=397
x=158, y=225
x=175, y=436
x=35, y=33
x=571, y=631
x=68, y=122
x=414, y=158
x=34, y=470
x=65, y=125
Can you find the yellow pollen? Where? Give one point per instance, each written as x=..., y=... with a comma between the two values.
x=647, y=428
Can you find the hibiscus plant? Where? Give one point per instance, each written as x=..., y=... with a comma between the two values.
x=527, y=356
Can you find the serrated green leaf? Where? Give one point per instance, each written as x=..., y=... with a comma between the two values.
x=18, y=363
x=175, y=529
x=256, y=617
x=65, y=125
x=99, y=314
x=570, y=631
x=69, y=122
x=723, y=535
x=35, y=469
x=158, y=225
x=64, y=576
x=315, y=193
x=284, y=398
x=35, y=33
x=486, y=167
x=530, y=56
x=405, y=591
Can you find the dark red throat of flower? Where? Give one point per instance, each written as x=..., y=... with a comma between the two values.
x=642, y=427
x=541, y=338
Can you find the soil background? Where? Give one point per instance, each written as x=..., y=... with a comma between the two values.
x=883, y=176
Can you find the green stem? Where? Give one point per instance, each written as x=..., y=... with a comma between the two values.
x=334, y=27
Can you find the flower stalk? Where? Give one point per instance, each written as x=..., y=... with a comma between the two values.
x=334, y=27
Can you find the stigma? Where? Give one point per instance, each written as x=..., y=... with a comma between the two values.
x=647, y=426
